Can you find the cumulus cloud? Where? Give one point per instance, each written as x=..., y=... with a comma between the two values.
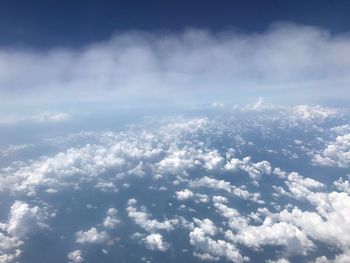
x=189, y=159
x=184, y=194
x=9, y=248
x=279, y=234
x=336, y=153
x=215, y=249
x=255, y=170
x=314, y=113
x=329, y=224
x=342, y=185
x=206, y=225
x=111, y=220
x=286, y=59
x=142, y=218
x=23, y=221
x=155, y=242
x=91, y=236
x=342, y=258
x=187, y=194
x=225, y=186
x=75, y=256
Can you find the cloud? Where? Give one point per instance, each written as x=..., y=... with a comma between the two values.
x=46, y=117
x=278, y=234
x=315, y=113
x=50, y=117
x=187, y=194
x=155, y=242
x=9, y=250
x=75, y=256
x=23, y=221
x=287, y=62
x=201, y=154
x=14, y=149
x=111, y=220
x=212, y=183
x=342, y=185
x=342, y=258
x=336, y=153
x=329, y=224
x=206, y=225
x=143, y=219
x=255, y=170
x=208, y=246
x=91, y=236
x=184, y=194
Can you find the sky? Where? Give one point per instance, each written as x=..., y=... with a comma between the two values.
x=141, y=53
x=181, y=131
x=43, y=24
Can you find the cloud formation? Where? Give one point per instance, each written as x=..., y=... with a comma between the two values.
x=156, y=242
x=282, y=62
x=91, y=236
x=211, y=180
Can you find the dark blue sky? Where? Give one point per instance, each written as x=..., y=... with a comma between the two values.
x=43, y=23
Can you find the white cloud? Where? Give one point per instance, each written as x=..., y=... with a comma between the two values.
x=187, y=194
x=225, y=186
x=24, y=219
x=184, y=194
x=6, y=258
x=235, y=220
x=331, y=222
x=13, y=149
x=219, y=199
x=50, y=117
x=206, y=225
x=91, y=236
x=284, y=58
x=9, y=248
x=155, y=242
x=284, y=234
x=75, y=256
x=305, y=182
x=214, y=248
x=342, y=185
x=175, y=149
x=259, y=105
x=314, y=113
x=142, y=218
x=293, y=239
x=111, y=220
x=336, y=153
x=46, y=117
x=341, y=130
x=255, y=170
x=341, y=258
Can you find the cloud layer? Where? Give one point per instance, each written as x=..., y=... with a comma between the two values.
x=285, y=62
x=217, y=187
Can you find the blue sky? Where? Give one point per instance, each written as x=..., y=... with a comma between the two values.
x=45, y=24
